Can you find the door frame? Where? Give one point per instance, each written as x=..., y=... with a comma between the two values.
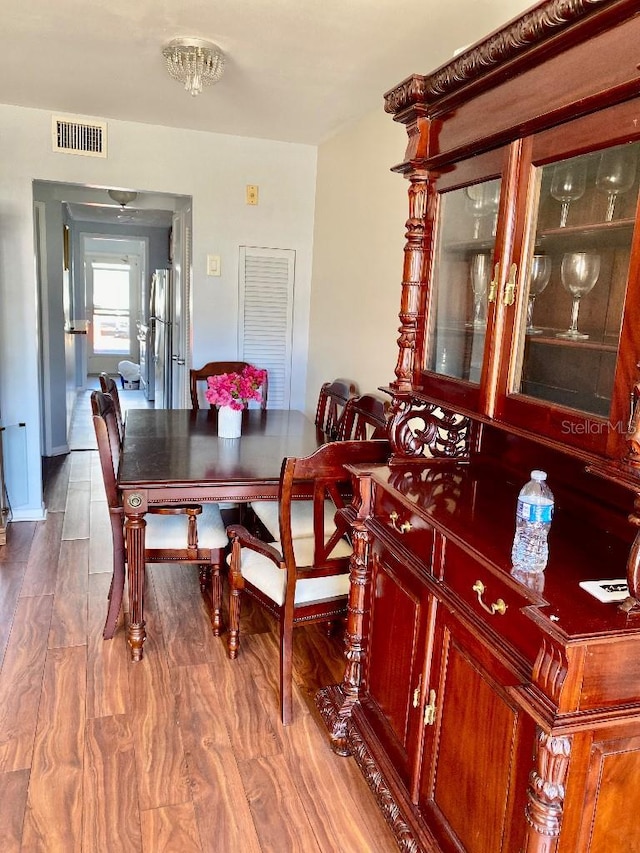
x=138, y=264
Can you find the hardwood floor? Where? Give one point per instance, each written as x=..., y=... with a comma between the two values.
x=181, y=752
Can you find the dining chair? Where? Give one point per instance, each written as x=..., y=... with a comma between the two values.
x=215, y=368
x=185, y=533
x=108, y=386
x=299, y=580
x=364, y=417
x=331, y=402
x=336, y=396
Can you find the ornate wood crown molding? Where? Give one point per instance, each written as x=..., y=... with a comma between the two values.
x=514, y=40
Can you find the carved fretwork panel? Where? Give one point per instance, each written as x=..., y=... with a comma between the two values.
x=547, y=792
x=420, y=431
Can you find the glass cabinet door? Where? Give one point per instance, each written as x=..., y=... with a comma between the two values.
x=575, y=275
x=462, y=280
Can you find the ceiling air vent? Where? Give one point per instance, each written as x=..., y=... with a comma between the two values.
x=78, y=135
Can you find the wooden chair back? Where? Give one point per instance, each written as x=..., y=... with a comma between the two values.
x=331, y=402
x=322, y=475
x=327, y=554
x=364, y=417
x=108, y=386
x=198, y=377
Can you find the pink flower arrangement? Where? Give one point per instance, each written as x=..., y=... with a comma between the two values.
x=235, y=389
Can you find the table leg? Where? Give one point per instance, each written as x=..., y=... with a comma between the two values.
x=135, y=535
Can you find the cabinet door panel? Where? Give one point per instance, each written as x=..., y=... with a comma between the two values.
x=475, y=790
x=577, y=268
x=606, y=825
x=471, y=199
x=395, y=657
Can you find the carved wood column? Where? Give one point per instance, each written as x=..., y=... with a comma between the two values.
x=546, y=793
x=412, y=304
x=135, y=537
x=335, y=703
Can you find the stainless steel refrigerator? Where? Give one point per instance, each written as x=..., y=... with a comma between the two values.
x=161, y=322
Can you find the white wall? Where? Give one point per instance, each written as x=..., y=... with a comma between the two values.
x=214, y=170
x=361, y=208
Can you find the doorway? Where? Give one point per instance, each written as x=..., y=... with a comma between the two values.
x=112, y=291
x=65, y=348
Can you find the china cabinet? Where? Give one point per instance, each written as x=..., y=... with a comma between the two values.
x=492, y=711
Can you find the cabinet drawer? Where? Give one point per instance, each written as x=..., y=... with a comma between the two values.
x=498, y=603
x=407, y=528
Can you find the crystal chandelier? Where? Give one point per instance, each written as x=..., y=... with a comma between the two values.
x=194, y=62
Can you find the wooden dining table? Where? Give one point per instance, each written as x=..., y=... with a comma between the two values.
x=172, y=456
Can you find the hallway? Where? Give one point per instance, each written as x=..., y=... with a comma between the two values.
x=81, y=434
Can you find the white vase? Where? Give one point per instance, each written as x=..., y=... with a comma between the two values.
x=229, y=422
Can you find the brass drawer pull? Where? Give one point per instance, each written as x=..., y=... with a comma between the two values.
x=497, y=607
x=405, y=527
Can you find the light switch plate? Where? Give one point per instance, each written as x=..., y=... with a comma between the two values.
x=252, y=194
x=213, y=264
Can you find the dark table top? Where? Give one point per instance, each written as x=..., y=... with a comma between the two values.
x=177, y=447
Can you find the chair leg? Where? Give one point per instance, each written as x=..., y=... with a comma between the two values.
x=286, y=671
x=233, y=639
x=216, y=601
x=116, y=593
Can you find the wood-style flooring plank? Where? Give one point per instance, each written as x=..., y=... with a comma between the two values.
x=21, y=681
x=76, y=514
x=250, y=702
x=11, y=577
x=186, y=624
x=321, y=777
x=53, y=820
x=97, y=482
x=100, y=542
x=276, y=806
x=171, y=829
x=160, y=761
x=223, y=815
x=19, y=538
x=13, y=800
x=42, y=566
x=69, y=617
x=318, y=659
x=108, y=661
x=111, y=819
x=56, y=482
x=80, y=467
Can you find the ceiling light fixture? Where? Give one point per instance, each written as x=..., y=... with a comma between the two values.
x=123, y=197
x=194, y=62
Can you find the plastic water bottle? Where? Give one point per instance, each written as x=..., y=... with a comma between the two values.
x=530, y=551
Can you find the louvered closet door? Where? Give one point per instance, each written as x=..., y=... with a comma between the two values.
x=266, y=315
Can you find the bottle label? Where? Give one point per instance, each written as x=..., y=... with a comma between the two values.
x=535, y=512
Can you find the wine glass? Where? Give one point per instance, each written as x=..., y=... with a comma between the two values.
x=538, y=280
x=480, y=274
x=483, y=200
x=568, y=184
x=579, y=272
x=616, y=174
